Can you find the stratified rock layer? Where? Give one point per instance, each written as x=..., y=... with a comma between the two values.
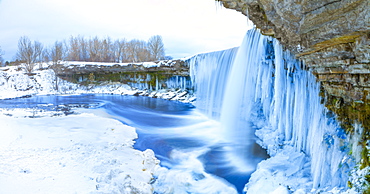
x=331, y=36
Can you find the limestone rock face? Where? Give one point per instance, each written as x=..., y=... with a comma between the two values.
x=332, y=37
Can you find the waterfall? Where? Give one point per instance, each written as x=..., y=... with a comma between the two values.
x=208, y=73
x=260, y=89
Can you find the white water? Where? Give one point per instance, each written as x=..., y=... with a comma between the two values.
x=208, y=74
x=264, y=90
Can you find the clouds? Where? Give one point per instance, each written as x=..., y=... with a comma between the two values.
x=187, y=27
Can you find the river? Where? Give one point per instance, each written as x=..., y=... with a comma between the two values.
x=175, y=131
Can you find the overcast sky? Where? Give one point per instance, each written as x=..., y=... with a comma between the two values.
x=188, y=27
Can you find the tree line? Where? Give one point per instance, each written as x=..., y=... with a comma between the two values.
x=93, y=49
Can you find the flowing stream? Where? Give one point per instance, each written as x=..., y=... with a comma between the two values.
x=174, y=131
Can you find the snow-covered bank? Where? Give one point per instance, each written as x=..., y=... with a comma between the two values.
x=14, y=82
x=79, y=153
x=48, y=152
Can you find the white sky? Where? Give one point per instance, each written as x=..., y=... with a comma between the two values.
x=187, y=26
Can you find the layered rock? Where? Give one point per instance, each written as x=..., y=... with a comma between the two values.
x=152, y=76
x=170, y=67
x=331, y=36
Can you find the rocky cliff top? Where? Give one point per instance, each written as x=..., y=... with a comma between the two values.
x=305, y=26
x=332, y=37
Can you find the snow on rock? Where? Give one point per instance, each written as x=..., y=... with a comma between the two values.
x=280, y=173
x=151, y=64
x=82, y=153
x=70, y=64
x=189, y=176
x=83, y=63
x=14, y=82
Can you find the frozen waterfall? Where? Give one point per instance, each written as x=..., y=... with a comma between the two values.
x=260, y=89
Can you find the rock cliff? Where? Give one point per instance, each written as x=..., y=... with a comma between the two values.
x=332, y=37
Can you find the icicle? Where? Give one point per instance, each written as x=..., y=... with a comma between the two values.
x=263, y=87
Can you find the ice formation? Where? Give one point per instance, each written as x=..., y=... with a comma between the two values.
x=261, y=89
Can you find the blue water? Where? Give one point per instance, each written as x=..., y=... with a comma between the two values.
x=162, y=126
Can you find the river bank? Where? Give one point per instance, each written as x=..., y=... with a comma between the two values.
x=50, y=152
x=15, y=82
x=47, y=145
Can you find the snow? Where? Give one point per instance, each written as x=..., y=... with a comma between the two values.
x=71, y=64
x=150, y=64
x=189, y=176
x=79, y=153
x=287, y=169
x=46, y=152
x=93, y=153
x=14, y=82
x=87, y=152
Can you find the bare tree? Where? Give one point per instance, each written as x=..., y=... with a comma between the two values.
x=83, y=44
x=1, y=57
x=45, y=57
x=78, y=48
x=156, y=47
x=137, y=51
x=107, y=50
x=39, y=50
x=73, y=49
x=119, y=49
x=29, y=53
x=57, y=52
x=94, y=49
x=101, y=50
x=143, y=53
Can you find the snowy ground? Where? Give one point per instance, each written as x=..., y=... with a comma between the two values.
x=85, y=152
x=49, y=152
x=79, y=153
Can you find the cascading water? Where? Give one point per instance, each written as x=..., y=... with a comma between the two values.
x=208, y=74
x=263, y=90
